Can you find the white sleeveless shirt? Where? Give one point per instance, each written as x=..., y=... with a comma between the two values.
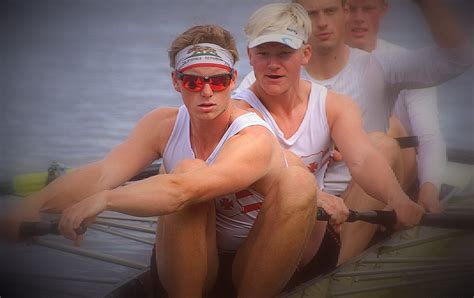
x=235, y=213
x=312, y=140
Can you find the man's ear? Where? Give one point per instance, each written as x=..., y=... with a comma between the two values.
x=307, y=52
x=176, y=84
x=234, y=79
x=234, y=75
x=249, y=55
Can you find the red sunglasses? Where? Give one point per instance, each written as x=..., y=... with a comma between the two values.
x=196, y=83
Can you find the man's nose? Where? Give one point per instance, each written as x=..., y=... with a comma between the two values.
x=322, y=21
x=358, y=15
x=206, y=90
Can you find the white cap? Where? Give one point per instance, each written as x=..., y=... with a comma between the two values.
x=293, y=38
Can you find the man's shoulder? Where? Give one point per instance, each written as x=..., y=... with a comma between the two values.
x=248, y=115
x=359, y=59
x=340, y=106
x=163, y=114
x=356, y=54
x=364, y=65
x=159, y=119
x=337, y=96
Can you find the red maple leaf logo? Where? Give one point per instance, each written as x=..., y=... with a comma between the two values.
x=226, y=204
x=313, y=167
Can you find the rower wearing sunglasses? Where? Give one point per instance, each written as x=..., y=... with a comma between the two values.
x=229, y=188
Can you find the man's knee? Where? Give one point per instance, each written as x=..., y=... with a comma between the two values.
x=386, y=145
x=297, y=188
x=188, y=165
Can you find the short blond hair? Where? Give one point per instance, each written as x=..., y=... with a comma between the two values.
x=203, y=34
x=277, y=17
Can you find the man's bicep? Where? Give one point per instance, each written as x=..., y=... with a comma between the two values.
x=346, y=128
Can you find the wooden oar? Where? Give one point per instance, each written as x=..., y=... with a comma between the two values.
x=389, y=219
x=25, y=184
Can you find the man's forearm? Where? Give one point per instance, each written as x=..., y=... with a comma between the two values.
x=377, y=179
x=157, y=195
x=70, y=189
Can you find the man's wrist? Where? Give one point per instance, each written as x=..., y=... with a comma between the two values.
x=396, y=199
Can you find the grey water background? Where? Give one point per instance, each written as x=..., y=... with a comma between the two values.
x=76, y=75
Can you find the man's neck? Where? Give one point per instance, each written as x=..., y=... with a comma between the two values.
x=206, y=134
x=287, y=109
x=370, y=46
x=325, y=65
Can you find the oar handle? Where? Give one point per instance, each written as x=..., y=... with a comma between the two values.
x=40, y=228
x=407, y=142
x=386, y=218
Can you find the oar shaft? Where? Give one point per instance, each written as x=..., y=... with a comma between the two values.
x=389, y=219
x=26, y=184
x=448, y=221
x=383, y=217
x=32, y=229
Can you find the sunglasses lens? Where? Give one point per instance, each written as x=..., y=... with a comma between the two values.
x=219, y=83
x=192, y=83
x=196, y=83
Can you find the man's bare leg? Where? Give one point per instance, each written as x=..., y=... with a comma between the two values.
x=319, y=229
x=186, y=252
x=356, y=236
x=408, y=155
x=271, y=253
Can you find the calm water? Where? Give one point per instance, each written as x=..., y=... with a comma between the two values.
x=77, y=75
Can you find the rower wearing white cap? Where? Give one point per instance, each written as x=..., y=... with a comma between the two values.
x=307, y=117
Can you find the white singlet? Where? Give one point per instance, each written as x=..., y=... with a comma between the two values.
x=312, y=141
x=235, y=213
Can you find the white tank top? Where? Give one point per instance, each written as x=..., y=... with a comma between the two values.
x=312, y=140
x=235, y=213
